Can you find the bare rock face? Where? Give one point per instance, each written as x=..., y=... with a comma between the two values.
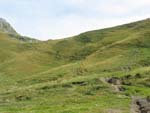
x=144, y=105
x=140, y=105
x=6, y=27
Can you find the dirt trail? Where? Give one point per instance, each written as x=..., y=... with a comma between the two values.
x=114, y=83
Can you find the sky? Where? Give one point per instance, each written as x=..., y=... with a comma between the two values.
x=55, y=19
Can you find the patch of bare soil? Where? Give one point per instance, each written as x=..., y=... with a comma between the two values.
x=140, y=105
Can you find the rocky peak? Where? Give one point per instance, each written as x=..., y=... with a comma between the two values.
x=6, y=27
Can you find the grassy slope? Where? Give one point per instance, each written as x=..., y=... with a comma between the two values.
x=65, y=76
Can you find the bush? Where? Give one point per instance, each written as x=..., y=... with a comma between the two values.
x=83, y=38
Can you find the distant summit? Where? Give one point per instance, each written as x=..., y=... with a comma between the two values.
x=6, y=27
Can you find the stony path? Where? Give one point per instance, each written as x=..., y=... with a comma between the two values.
x=115, y=87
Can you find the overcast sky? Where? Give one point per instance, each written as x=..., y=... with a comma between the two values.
x=51, y=19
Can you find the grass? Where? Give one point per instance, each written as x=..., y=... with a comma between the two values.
x=66, y=76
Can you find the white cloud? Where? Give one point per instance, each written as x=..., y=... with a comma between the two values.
x=76, y=1
x=112, y=9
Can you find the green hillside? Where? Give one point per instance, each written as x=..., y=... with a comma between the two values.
x=98, y=71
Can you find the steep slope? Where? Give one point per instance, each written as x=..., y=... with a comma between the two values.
x=6, y=27
x=97, y=71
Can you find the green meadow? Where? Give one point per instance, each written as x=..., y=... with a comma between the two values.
x=70, y=75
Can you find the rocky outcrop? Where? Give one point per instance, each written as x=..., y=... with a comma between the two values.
x=140, y=105
x=6, y=27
